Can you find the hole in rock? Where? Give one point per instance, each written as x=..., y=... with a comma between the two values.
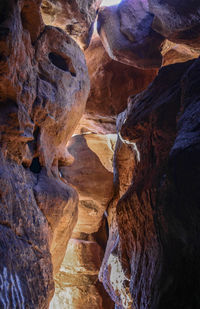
x=35, y=166
x=61, y=63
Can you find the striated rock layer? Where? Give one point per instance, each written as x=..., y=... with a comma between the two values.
x=44, y=86
x=157, y=251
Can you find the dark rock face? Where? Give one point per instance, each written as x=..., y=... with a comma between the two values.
x=43, y=82
x=75, y=17
x=177, y=20
x=157, y=217
x=25, y=267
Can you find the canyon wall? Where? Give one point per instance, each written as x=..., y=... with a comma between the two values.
x=44, y=86
x=99, y=148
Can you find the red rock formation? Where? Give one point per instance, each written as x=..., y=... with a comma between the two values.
x=178, y=21
x=91, y=175
x=157, y=216
x=75, y=17
x=108, y=78
x=134, y=32
x=91, y=123
x=152, y=253
x=124, y=38
x=77, y=284
x=43, y=90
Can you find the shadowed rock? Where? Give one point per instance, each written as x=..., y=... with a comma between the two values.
x=177, y=20
x=157, y=217
x=75, y=17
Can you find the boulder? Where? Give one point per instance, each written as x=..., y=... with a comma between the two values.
x=135, y=32
x=108, y=78
x=125, y=40
x=178, y=21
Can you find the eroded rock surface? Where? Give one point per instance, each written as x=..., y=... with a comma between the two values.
x=157, y=216
x=123, y=41
x=77, y=283
x=75, y=17
x=91, y=173
x=43, y=82
x=178, y=21
x=134, y=32
x=108, y=78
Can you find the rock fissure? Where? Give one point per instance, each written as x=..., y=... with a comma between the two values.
x=99, y=151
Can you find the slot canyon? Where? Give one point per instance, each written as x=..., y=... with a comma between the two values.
x=100, y=154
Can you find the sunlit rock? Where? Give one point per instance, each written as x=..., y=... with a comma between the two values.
x=77, y=283
x=91, y=174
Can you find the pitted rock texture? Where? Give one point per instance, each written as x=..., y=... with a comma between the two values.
x=157, y=219
x=44, y=86
x=75, y=17
x=108, y=78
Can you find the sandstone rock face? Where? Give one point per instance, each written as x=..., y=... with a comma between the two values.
x=25, y=266
x=157, y=219
x=75, y=17
x=108, y=78
x=114, y=273
x=43, y=82
x=123, y=41
x=91, y=123
x=91, y=173
x=134, y=31
x=77, y=283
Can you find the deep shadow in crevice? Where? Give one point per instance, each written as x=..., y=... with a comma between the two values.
x=62, y=63
x=35, y=166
